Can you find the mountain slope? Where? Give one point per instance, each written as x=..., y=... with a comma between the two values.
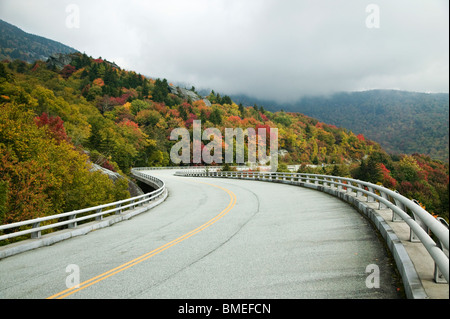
x=402, y=122
x=17, y=44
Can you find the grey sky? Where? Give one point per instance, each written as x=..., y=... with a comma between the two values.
x=279, y=49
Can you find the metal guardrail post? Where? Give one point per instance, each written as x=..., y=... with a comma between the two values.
x=359, y=193
x=36, y=234
x=414, y=238
x=118, y=212
x=370, y=199
x=74, y=224
x=349, y=189
x=99, y=217
x=438, y=275
x=339, y=187
x=382, y=205
x=395, y=217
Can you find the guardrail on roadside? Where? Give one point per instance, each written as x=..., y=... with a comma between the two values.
x=421, y=222
x=155, y=168
x=34, y=227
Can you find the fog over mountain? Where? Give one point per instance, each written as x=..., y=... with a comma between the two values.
x=402, y=122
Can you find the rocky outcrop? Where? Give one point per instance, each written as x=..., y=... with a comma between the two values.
x=173, y=89
x=187, y=94
x=184, y=93
x=133, y=188
x=58, y=61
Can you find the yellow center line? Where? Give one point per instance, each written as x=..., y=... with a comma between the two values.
x=131, y=263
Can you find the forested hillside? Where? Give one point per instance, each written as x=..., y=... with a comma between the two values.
x=402, y=122
x=55, y=121
x=17, y=44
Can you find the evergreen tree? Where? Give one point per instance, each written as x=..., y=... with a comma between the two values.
x=369, y=171
x=3, y=72
x=183, y=112
x=203, y=117
x=145, y=89
x=241, y=110
x=161, y=90
x=215, y=117
x=226, y=100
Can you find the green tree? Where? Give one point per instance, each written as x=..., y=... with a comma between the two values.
x=241, y=110
x=138, y=105
x=282, y=168
x=160, y=90
x=369, y=171
x=183, y=113
x=407, y=169
x=216, y=116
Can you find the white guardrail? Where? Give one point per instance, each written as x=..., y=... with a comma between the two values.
x=72, y=218
x=423, y=226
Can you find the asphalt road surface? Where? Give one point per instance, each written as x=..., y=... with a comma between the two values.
x=216, y=238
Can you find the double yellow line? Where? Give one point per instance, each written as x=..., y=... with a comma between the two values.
x=131, y=263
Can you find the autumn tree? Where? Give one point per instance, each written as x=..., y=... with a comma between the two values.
x=138, y=105
x=55, y=126
x=3, y=197
x=42, y=172
x=67, y=71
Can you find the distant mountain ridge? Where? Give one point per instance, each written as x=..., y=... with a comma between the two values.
x=401, y=121
x=18, y=44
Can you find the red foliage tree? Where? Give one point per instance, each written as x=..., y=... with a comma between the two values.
x=264, y=118
x=55, y=126
x=387, y=179
x=235, y=120
x=67, y=71
x=190, y=120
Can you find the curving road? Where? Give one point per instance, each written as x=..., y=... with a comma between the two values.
x=215, y=238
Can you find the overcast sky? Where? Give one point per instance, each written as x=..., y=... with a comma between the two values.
x=276, y=49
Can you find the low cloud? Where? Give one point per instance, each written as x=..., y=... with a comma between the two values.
x=271, y=49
